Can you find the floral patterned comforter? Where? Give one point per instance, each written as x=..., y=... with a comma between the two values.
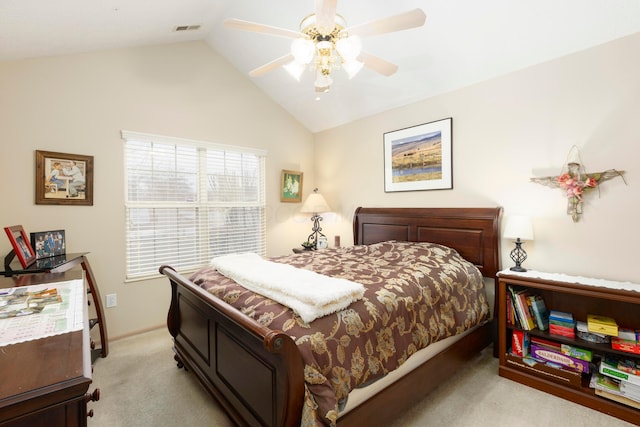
x=416, y=294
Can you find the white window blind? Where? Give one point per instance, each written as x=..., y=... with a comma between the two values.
x=188, y=201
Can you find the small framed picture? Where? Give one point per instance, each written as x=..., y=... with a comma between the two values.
x=419, y=157
x=291, y=186
x=48, y=243
x=21, y=246
x=64, y=179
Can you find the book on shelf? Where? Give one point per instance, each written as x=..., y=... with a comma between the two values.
x=520, y=343
x=519, y=298
x=540, y=312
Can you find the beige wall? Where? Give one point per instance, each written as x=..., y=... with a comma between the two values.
x=79, y=103
x=506, y=131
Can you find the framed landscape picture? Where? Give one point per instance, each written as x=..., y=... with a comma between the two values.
x=291, y=186
x=64, y=179
x=419, y=157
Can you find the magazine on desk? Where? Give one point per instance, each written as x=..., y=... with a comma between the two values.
x=39, y=311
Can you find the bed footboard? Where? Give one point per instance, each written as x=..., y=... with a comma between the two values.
x=255, y=373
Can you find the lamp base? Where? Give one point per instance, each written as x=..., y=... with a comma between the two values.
x=518, y=255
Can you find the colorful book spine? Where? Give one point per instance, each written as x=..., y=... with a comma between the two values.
x=520, y=309
x=561, y=323
x=540, y=312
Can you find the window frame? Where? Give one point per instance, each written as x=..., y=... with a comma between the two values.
x=202, y=206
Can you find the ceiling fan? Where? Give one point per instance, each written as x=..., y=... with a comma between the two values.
x=325, y=43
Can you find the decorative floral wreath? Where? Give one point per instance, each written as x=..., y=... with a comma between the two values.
x=576, y=182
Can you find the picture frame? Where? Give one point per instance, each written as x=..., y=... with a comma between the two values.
x=419, y=157
x=48, y=243
x=63, y=179
x=291, y=186
x=21, y=245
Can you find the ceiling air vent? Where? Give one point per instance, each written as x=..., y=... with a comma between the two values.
x=187, y=27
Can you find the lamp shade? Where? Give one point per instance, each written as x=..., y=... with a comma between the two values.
x=315, y=203
x=518, y=226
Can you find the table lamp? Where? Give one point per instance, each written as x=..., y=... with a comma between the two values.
x=315, y=204
x=518, y=227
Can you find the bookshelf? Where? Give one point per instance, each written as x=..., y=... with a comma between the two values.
x=579, y=296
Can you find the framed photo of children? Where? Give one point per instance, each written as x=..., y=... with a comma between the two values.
x=291, y=186
x=48, y=243
x=64, y=179
x=21, y=246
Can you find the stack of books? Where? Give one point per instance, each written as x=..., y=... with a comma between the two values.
x=561, y=323
x=618, y=380
x=525, y=310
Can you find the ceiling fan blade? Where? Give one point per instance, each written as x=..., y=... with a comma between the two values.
x=279, y=62
x=377, y=64
x=254, y=27
x=403, y=21
x=325, y=15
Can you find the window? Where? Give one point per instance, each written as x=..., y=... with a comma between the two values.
x=188, y=201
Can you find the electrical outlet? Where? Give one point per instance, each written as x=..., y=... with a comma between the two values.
x=112, y=300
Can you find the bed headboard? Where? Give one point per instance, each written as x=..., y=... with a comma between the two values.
x=473, y=232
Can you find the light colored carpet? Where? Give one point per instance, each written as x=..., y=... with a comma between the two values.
x=141, y=386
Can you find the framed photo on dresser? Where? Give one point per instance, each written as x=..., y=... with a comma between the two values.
x=21, y=246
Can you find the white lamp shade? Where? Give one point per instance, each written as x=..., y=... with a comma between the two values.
x=518, y=226
x=296, y=69
x=349, y=48
x=315, y=203
x=352, y=67
x=303, y=50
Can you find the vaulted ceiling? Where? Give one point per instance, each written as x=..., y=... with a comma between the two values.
x=462, y=42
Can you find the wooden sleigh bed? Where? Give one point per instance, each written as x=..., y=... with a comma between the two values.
x=256, y=374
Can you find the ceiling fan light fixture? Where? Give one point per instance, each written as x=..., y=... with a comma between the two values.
x=295, y=68
x=303, y=50
x=349, y=48
x=352, y=67
x=323, y=82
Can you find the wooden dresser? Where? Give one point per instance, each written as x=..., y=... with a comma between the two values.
x=45, y=382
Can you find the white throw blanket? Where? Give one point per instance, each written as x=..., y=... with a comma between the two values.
x=308, y=293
